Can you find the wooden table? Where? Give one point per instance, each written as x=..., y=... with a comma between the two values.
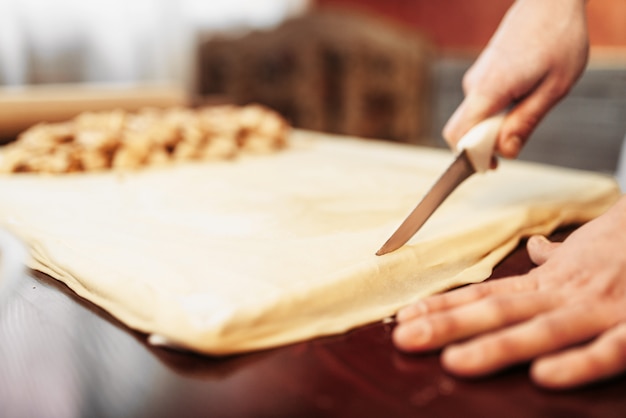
x=60, y=356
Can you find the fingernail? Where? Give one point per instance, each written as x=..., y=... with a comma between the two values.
x=537, y=243
x=415, y=334
x=538, y=240
x=412, y=311
x=512, y=146
x=458, y=358
x=546, y=374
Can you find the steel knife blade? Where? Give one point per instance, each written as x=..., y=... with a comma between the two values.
x=456, y=173
x=476, y=151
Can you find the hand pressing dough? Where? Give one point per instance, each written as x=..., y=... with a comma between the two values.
x=232, y=256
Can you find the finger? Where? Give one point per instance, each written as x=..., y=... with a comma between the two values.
x=540, y=248
x=603, y=358
x=475, y=108
x=520, y=343
x=436, y=330
x=468, y=294
x=526, y=115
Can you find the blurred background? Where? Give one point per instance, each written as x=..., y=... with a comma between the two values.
x=388, y=69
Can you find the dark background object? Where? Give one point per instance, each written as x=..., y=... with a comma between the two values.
x=339, y=72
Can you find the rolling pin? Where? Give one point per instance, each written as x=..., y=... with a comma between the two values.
x=24, y=106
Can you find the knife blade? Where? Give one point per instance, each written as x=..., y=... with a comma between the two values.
x=476, y=150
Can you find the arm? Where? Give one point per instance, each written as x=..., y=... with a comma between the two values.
x=533, y=59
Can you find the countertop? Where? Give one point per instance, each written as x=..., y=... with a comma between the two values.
x=61, y=356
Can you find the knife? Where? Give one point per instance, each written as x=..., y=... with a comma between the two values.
x=476, y=149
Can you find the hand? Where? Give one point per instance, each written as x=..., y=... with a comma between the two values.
x=538, y=52
x=567, y=315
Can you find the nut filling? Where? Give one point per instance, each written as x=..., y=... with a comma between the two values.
x=122, y=140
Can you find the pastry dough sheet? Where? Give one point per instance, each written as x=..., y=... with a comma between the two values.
x=233, y=256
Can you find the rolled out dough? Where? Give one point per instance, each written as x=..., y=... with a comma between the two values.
x=227, y=257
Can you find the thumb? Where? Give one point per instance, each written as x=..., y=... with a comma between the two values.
x=540, y=249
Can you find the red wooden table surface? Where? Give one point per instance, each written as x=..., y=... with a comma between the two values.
x=63, y=357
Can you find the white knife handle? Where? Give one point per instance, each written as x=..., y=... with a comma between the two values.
x=480, y=142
